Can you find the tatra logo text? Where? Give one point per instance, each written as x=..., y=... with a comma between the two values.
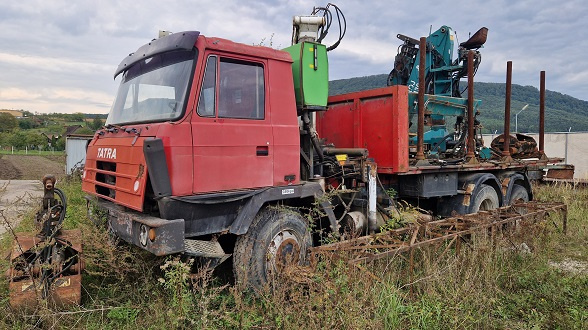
x=109, y=153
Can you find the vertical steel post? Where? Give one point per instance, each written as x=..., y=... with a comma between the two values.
x=566, y=153
x=372, y=196
x=470, y=156
x=420, y=155
x=506, y=149
x=542, y=113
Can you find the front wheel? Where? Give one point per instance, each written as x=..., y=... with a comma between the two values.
x=276, y=238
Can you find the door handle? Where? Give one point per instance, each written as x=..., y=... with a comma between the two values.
x=262, y=151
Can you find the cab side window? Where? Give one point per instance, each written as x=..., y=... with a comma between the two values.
x=241, y=90
x=206, y=101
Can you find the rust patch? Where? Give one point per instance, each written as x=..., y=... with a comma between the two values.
x=560, y=173
x=141, y=171
x=468, y=194
x=520, y=146
x=505, y=184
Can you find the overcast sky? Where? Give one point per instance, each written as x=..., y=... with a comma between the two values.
x=60, y=56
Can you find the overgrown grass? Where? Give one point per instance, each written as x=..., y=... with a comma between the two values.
x=485, y=286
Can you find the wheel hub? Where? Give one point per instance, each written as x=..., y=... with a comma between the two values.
x=284, y=249
x=486, y=205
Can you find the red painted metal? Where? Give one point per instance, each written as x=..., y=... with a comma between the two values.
x=116, y=148
x=207, y=154
x=376, y=120
x=238, y=49
x=225, y=150
x=284, y=121
x=130, y=161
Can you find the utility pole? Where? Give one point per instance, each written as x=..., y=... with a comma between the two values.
x=517, y=118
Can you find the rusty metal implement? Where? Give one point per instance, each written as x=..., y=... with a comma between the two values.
x=451, y=230
x=47, y=265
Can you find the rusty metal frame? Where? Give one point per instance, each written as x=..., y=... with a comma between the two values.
x=452, y=230
x=25, y=286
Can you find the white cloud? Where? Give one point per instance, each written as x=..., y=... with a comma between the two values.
x=53, y=64
x=60, y=55
x=55, y=100
x=372, y=51
x=18, y=94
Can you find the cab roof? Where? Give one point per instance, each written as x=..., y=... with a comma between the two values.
x=243, y=49
x=187, y=40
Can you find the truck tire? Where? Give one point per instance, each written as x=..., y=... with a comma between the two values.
x=276, y=238
x=518, y=193
x=486, y=199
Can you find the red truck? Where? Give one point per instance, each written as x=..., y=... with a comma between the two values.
x=210, y=150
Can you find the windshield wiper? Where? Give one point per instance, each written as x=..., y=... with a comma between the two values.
x=112, y=128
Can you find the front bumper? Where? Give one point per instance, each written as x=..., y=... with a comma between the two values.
x=158, y=236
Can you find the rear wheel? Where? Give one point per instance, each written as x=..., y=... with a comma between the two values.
x=276, y=238
x=485, y=199
x=518, y=194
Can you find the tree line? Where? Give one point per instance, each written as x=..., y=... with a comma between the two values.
x=562, y=112
x=43, y=131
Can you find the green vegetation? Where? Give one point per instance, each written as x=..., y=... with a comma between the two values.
x=561, y=111
x=44, y=132
x=485, y=286
x=7, y=122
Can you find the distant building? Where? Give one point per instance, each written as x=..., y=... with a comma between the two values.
x=51, y=138
x=15, y=113
x=69, y=130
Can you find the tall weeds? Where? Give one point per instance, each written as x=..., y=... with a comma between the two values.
x=487, y=285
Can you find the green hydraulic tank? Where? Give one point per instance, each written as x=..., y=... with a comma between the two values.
x=311, y=75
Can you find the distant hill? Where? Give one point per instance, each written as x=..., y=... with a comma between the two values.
x=561, y=111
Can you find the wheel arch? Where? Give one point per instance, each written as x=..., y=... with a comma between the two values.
x=478, y=179
x=468, y=186
x=289, y=195
x=510, y=179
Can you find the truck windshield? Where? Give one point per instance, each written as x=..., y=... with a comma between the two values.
x=153, y=89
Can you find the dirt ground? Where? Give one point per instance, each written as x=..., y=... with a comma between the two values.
x=19, y=167
x=7, y=170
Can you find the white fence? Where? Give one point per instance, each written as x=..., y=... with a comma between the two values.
x=572, y=146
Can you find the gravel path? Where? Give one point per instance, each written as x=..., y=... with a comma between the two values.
x=16, y=198
x=20, y=196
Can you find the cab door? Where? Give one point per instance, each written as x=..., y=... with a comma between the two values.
x=231, y=130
